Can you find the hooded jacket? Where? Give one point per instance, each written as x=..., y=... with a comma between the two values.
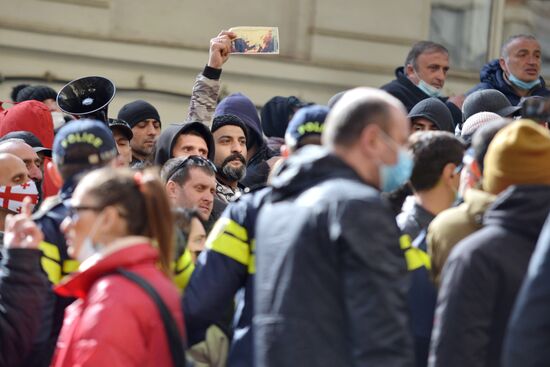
x=33, y=116
x=331, y=280
x=169, y=136
x=257, y=168
x=409, y=94
x=114, y=322
x=491, y=76
x=482, y=278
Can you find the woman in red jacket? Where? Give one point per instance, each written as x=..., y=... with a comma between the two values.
x=119, y=219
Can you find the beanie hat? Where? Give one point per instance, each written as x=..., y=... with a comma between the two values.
x=275, y=115
x=307, y=121
x=84, y=141
x=241, y=106
x=36, y=92
x=33, y=116
x=135, y=112
x=488, y=100
x=475, y=121
x=436, y=111
x=518, y=155
x=228, y=119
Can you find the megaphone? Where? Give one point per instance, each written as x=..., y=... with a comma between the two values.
x=87, y=97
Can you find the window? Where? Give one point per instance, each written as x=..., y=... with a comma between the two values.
x=463, y=27
x=530, y=17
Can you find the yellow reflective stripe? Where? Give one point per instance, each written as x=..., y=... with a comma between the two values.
x=52, y=269
x=415, y=257
x=50, y=250
x=236, y=230
x=50, y=261
x=70, y=266
x=252, y=263
x=230, y=239
x=405, y=241
x=232, y=247
x=183, y=267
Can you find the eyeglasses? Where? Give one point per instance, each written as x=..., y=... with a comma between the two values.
x=74, y=210
x=194, y=161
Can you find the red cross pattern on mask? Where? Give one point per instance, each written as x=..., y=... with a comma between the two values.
x=11, y=197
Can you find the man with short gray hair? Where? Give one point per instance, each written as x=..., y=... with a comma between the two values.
x=331, y=280
x=517, y=72
x=423, y=76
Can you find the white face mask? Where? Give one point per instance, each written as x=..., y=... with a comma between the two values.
x=58, y=119
x=89, y=248
x=11, y=197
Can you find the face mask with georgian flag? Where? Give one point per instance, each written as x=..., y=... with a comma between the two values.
x=11, y=197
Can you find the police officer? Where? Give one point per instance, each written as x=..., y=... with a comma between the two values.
x=228, y=264
x=78, y=147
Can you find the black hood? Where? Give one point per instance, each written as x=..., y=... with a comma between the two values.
x=168, y=137
x=308, y=167
x=522, y=209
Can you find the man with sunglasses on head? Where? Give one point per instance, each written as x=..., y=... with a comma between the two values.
x=191, y=183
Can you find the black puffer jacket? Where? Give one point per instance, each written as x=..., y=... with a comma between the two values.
x=482, y=278
x=23, y=289
x=331, y=280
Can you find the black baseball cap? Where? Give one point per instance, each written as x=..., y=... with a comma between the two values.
x=122, y=126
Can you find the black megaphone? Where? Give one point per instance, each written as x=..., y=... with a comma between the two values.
x=87, y=97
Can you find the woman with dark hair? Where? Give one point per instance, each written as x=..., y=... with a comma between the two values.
x=119, y=223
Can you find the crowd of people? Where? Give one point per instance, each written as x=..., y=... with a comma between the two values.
x=393, y=226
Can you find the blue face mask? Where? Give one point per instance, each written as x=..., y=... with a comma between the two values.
x=521, y=84
x=428, y=89
x=395, y=176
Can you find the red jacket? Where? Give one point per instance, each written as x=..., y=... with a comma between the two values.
x=35, y=117
x=114, y=322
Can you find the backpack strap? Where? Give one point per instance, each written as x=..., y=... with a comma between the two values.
x=173, y=335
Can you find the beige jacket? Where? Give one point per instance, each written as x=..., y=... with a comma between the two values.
x=453, y=225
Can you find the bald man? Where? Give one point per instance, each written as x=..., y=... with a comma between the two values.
x=12, y=170
x=19, y=148
x=14, y=186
